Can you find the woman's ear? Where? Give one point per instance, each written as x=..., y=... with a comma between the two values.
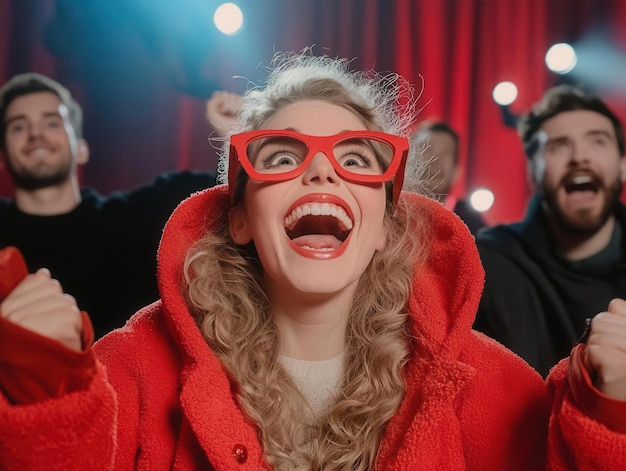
x=239, y=225
x=381, y=242
x=382, y=239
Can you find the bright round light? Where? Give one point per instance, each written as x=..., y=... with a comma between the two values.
x=482, y=200
x=504, y=93
x=228, y=18
x=561, y=58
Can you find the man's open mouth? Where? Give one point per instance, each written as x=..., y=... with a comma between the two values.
x=581, y=182
x=318, y=226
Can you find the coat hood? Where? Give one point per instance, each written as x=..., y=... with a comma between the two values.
x=446, y=288
x=443, y=302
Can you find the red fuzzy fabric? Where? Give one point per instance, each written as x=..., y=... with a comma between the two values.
x=159, y=399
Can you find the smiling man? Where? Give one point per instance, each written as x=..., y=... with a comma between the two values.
x=95, y=245
x=566, y=260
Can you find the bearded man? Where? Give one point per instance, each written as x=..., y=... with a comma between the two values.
x=94, y=245
x=565, y=261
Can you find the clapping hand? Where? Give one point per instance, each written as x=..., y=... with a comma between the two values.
x=605, y=353
x=37, y=302
x=221, y=111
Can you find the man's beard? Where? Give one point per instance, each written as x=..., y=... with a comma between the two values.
x=583, y=222
x=37, y=179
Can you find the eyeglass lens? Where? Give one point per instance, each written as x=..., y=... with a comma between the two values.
x=281, y=154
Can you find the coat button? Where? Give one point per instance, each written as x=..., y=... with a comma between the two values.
x=240, y=453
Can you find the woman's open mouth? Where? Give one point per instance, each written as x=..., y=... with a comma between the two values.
x=318, y=229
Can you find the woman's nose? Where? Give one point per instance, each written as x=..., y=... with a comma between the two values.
x=321, y=170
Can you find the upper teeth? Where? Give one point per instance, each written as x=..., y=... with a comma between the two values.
x=579, y=179
x=319, y=209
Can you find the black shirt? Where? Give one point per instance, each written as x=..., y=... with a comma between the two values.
x=104, y=251
x=534, y=301
x=472, y=218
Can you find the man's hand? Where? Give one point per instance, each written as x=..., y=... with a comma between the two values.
x=221, y=112
x=39, y=304
x=605, y=353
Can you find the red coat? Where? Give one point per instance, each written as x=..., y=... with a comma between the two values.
x=160, y=399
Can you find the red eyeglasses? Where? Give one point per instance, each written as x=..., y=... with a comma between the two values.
x=357, y=156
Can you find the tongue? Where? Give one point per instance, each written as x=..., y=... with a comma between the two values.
x=317, y=241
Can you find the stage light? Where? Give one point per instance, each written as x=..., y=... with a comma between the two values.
x=228, y=18
x=561, y=58
x=504, y=93
x=482, y=200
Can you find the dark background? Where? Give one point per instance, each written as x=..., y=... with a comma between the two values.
x=142, y=69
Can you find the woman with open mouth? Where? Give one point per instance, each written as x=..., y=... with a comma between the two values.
x=312, y=317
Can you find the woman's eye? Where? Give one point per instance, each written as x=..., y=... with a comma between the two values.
x=282, y=159
x=355, y=160
x=358, y=159
x=271, y=159
x=278, y=154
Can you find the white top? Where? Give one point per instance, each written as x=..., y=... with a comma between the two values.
x=318, y=381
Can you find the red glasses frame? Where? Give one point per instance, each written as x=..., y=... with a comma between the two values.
x=238, y=157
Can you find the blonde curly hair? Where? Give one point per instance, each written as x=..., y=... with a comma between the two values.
x=226, y=297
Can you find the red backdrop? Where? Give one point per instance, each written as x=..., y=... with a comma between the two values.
x=143, y=93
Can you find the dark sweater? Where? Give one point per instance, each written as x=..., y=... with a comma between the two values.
x=472, y=218
x=535, y=302
x=104, y=251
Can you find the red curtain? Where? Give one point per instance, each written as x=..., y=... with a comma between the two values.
x=453, y=51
